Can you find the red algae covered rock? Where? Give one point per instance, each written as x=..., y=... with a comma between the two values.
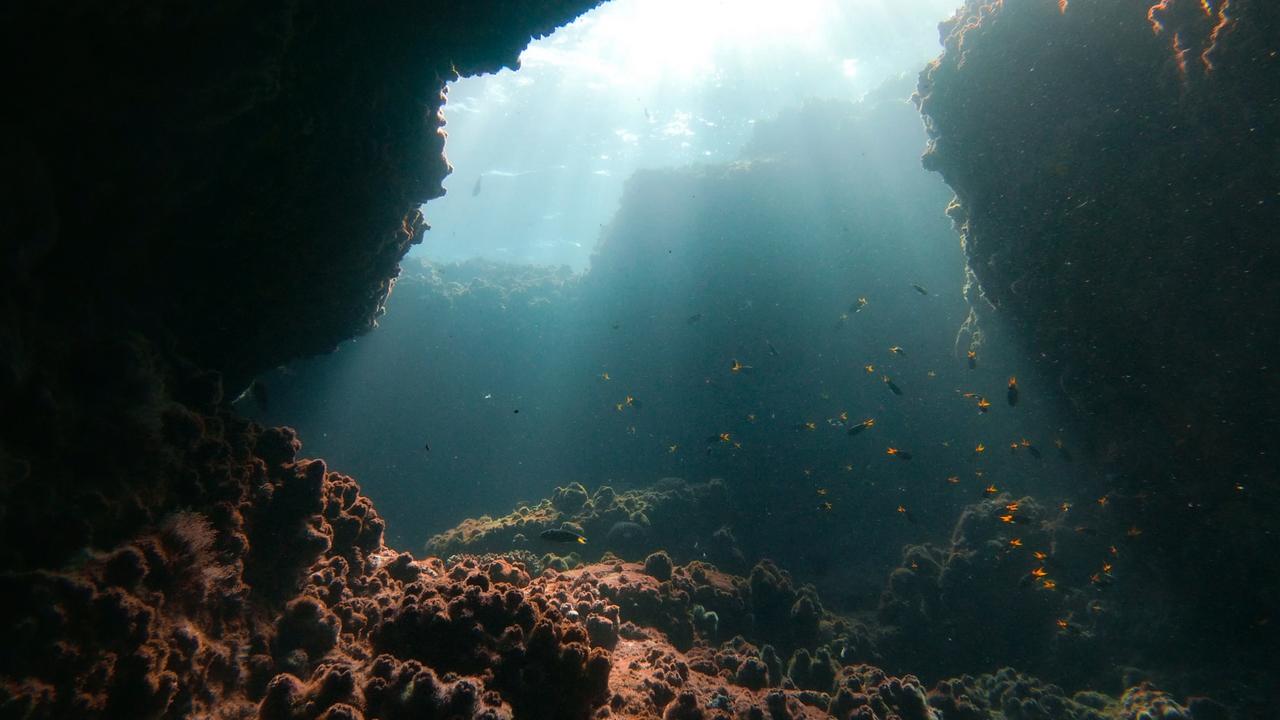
x=278, y=598
x=342, y=627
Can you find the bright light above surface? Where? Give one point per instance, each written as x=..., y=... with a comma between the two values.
x=541, y=154
x=685, y=41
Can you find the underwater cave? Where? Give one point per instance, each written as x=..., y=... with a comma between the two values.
x=641, y=359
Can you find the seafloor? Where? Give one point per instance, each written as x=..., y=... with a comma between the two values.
x=194, y=197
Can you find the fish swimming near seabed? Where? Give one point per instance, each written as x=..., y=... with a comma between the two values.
x=563, y=535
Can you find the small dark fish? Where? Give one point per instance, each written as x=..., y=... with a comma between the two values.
x=475, y=189
x=426, y=446
x=902, y=510
x=919, y=289
x=1035, y=452
x=517, y=411
x=1063, y=451
x=259, y=391
x=562, y=536
x=973, y=359
x=1012, y=395
x=892, y=386
x=899, y=454
x=617, y=326
x=772, y=350
x=694, y=318
x=1026, y=580
x=858, y=428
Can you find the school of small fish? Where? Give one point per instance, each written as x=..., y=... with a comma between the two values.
x=1008, y=514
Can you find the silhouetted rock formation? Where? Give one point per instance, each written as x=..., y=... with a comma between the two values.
x=1115, y=172
x=225, y=188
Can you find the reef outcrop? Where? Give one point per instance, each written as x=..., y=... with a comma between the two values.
x=688, y=520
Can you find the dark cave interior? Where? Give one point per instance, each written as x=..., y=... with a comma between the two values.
x=195, y=195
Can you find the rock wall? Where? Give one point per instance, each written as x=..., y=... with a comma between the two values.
x=222, y=188
x=1115, y=170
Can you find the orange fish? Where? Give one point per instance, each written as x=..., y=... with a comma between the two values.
x=973, y=359
x=1048, y=584
x=1133, y=531
x=991, y=490
x=1012, y=507
x=1039, y=572
x=1016, y=542
x=980, y=448
x=983, y=404
x=1063, y=624
x=1012, y=395
x=1006, y=518
x=954, y=479
x=1039, y=555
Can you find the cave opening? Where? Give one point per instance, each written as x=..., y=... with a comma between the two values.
x=644, y=206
